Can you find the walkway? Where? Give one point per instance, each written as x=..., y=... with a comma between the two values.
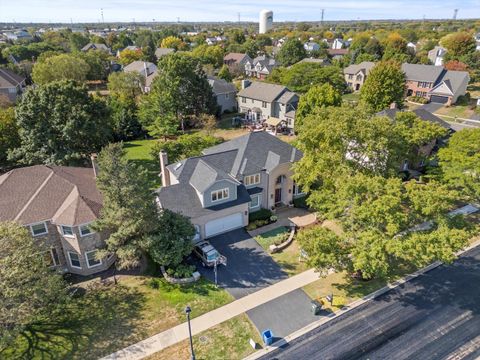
x=178, y=333
x=283, y=214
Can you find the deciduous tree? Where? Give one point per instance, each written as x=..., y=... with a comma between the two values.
x=291, y=52
x=60, y=67
x=317, y=96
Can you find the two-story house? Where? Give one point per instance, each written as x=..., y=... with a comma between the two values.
x=236, y=61
x=11, y=85
x=225, y=94
x=57, y=204
x=260, y=67
x=356, y=74
x=219, y=189
x=436, y=55
x=435, y=83
x=261, y=101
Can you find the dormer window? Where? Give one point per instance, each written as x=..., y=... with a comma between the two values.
x=252, y=179
x=218, y=195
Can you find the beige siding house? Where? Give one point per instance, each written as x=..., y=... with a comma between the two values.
x=57, y=204
x=219, y=189
x=356, y=74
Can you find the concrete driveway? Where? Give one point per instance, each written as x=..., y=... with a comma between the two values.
x=432, y=107
x=249, y=268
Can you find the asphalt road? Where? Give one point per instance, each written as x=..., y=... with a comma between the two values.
x=435, y=316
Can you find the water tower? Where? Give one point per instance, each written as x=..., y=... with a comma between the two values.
x=266, y=21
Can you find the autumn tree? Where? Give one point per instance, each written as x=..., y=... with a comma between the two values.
x=456, y=65
x=128, y=56
x=171, y=42
x=458, y=44
x=384, y=85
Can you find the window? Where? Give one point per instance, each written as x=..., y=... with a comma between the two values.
x=350, y=76
x=74, y=260
x=297, y=190
x=226, y=96
x=91, y=259
x=197, y=232
x=38, y=229
x=252, y=179
x=254, y=203
x=51, y=257
x=289, y=122
x=67, y=231
x=244, y=99
x=85, y=230
x=264, y=104
x=219, y=195
x=12, y=90
x=280, y=179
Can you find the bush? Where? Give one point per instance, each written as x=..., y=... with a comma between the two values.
x=262, y=214
x=181, y=271
x=463, y=100
x=417, y=99
x=300, y=202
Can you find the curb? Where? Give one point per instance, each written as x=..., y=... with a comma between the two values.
x=353, y=305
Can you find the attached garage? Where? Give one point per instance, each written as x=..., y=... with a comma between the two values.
x=439, y=99
x=223, y=224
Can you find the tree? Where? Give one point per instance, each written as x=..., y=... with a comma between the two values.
x=60, y=67
x=171, y=42
x=173, y=241
x=60, y=124
x=128, y=56
x=98, y=62
x=30, y=292
x=460, y=162
x=124, y=119
x=317, y=96
x=291, y=52
x=126, y=84
x=180, y=89
x=9, y=138
x=458, y=44
x=129, y=211
x=209, y=54
x=209, y=123
x=224, y=73
x=384, y=85
x=456, y=65
x=163, y=126
x=184, y=146
x=77, y=41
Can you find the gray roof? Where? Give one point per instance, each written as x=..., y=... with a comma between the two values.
x=263, y=91
x=139, y=66
x=96, y=46
x=9, y=79
x=364, y=66
x=286, y=97
x=419, y=72
x=454, y=80
x=265, y=61
x=421, y=113
x=159, y=52
x=220, y=86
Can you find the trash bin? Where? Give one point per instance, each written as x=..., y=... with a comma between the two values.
x=316, y=307
x=267, y=337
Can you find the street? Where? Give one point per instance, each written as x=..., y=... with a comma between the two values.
x=435, y=316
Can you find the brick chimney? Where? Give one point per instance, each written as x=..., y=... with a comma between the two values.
x=93, y=158
x=163, y=168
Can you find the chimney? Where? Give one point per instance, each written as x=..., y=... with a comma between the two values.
x=393, y=105
x=93, y=158
x=163, y=168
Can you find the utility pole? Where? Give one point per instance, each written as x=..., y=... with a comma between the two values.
x=101, y=12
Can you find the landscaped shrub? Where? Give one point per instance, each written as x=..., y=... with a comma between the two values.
x=463, y=100
x=181, y=271
x=417, y=99
x=300, y=202
x=262, y=214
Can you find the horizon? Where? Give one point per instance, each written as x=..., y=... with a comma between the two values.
x=188, y=11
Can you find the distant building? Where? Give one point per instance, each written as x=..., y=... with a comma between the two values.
x=356, y=74
x=260, y=67
x=18, y=35
x=225, y=94
x=11, y=84
x=266, y=21
x=436, y=55
x=337, y=53
x=236, y=61
x=161, y=52
x=96, y=46
x=311, y=46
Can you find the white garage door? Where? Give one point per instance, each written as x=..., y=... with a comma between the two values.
x=223, y=224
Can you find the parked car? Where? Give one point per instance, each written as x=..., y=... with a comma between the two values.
x=208, y=254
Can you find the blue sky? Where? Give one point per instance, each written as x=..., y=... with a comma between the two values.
x=227, y=10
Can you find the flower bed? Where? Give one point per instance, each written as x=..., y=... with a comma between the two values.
x=260, y=218
x=183, y=274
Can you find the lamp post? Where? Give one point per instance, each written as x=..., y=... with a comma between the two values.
x=188, y=311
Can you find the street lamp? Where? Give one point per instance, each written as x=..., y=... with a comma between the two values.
x=188, y=311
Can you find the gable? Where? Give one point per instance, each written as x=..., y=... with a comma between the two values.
x=442, y=88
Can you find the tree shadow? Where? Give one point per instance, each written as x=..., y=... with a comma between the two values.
x=103, y=320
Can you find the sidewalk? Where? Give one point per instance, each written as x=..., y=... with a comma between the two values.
x=178, y=333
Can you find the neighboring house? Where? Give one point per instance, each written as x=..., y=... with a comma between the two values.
x=260, y=67
x=436, y=55
x=145, y=68
x=57, y=204
x=225, y=94
x=94, y=46
x=18, y=35
x=161, y=52
x=311, y=46
x=412, y=46
x=356, y=74
x=337, y=53
x=435, y=83
x=130, y=47
x=338, y=44
x=11, y=84
x=262, y=101
x=219, y=189
x=236, y=61
x=215, y=40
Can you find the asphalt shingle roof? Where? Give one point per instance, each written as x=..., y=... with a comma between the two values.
x=353, y=69
x=220, y=86
x=262, y=91
x=419, y=72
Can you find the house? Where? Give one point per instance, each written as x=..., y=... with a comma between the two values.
x=11, y=84
x=436, y=55
x=356, y=74
x=215, y=40
x=338, y=44
x=145, y=68
x=263, y=101
x=311, y=46
x=130, y=48
x=96, y=46
x=435, y=83
x=412, y=47
x=337, y=53
x=236, y=61
x=219, y=189
x=260, y=67
x=57, y=204
x=18, y=35
x=161, y=52
x=225, y=94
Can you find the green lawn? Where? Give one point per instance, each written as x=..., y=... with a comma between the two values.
x=138, y=151
x=228, y=340
x=108, y=318
x=460, y=111
x=352, y=97
x=271, y=237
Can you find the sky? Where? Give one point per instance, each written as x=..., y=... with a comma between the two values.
x=227, y=10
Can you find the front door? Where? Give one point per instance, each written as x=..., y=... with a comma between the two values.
x=278, y=195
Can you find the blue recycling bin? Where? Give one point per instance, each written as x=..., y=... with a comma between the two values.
x=267, y=337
